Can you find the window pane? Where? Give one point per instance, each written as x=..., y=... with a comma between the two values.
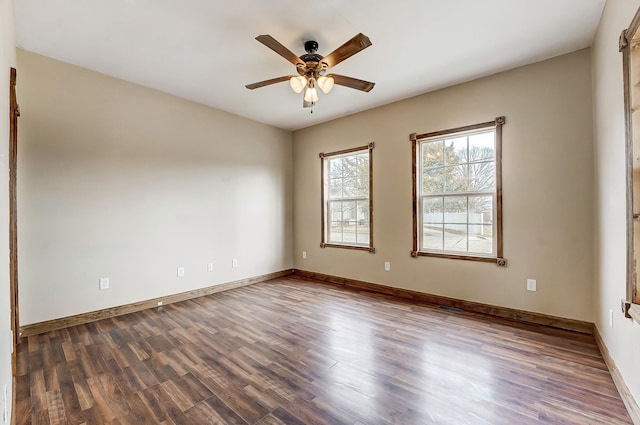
x=455, y=209
x=432, y=210
x=362, y=223
x=348, y=211
x=362, y=216
x=335, y=212
x=456, y=178
x=455, y=237
x=432, y=236
x=335, y=221
x=432, y=154
x=363, y=163
x=482, y=146
x=335, y=167
x=362, y=186
x=352, y=165
x=455, y=150
x=349, y=187
x=433, y=180
x=481, y=238
x=482, y=176
x=335, y=188
x=349, y=221
x=481, y=209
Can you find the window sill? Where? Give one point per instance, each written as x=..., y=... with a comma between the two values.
x=498, y=261
x=356, y=247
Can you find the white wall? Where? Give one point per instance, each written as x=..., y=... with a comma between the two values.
x=7, y=60
x=117, y=180
x=623, y=340
x=547, y=186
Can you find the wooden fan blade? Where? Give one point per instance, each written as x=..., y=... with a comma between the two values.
x=275, y=45
x=351, y=82
x=268, y=82
x=348, y=49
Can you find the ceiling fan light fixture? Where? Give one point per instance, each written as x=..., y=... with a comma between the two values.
x=298, y=83
x=311, y=68
x=325, y=84
x=310, y=95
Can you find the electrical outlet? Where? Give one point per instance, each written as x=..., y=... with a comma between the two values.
x=532, y=285
x=234, y=263
x=304, y=254
x=387, y=266
x=181, y=271
x=104, y=283
x=209, y=267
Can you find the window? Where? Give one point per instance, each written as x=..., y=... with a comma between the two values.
x=347, y=206
x=629, y=46
x=457, y=205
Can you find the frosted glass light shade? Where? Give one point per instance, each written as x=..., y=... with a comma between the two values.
x=298, y=83
x=325, y=84
x=311, y=95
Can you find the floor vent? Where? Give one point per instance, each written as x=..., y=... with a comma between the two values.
x=450, y=309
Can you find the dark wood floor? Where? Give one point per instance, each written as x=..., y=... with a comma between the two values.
x=293, y=352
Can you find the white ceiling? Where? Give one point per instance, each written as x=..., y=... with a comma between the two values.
x=204, y=50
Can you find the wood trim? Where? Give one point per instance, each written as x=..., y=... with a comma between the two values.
x=422, y=297
x=346, y=151
x=82, y=318
x=458, y=130
x=323, y=211
x=14, y=403
x=625, y=50
x=628, y=38
x=14, y=113
x=499, y=246
x=622, y=41
x=414, y=185
x=323, y=198
x=356, y=247
x=634, y=26
x=627, y=398
x=371, y=248
x=415, y=140
x=456, y=257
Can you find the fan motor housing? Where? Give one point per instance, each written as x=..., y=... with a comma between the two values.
x=311, y=46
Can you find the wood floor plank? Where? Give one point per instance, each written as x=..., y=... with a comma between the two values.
x=292, y=351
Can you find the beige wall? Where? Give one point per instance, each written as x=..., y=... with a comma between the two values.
x=548, y=196
x=117, y=180
x=623, y=339
x=7, y=60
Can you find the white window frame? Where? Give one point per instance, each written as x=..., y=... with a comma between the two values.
x=496, y=256
x=326, y=199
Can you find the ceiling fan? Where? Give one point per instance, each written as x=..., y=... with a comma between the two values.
x=312, y=67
